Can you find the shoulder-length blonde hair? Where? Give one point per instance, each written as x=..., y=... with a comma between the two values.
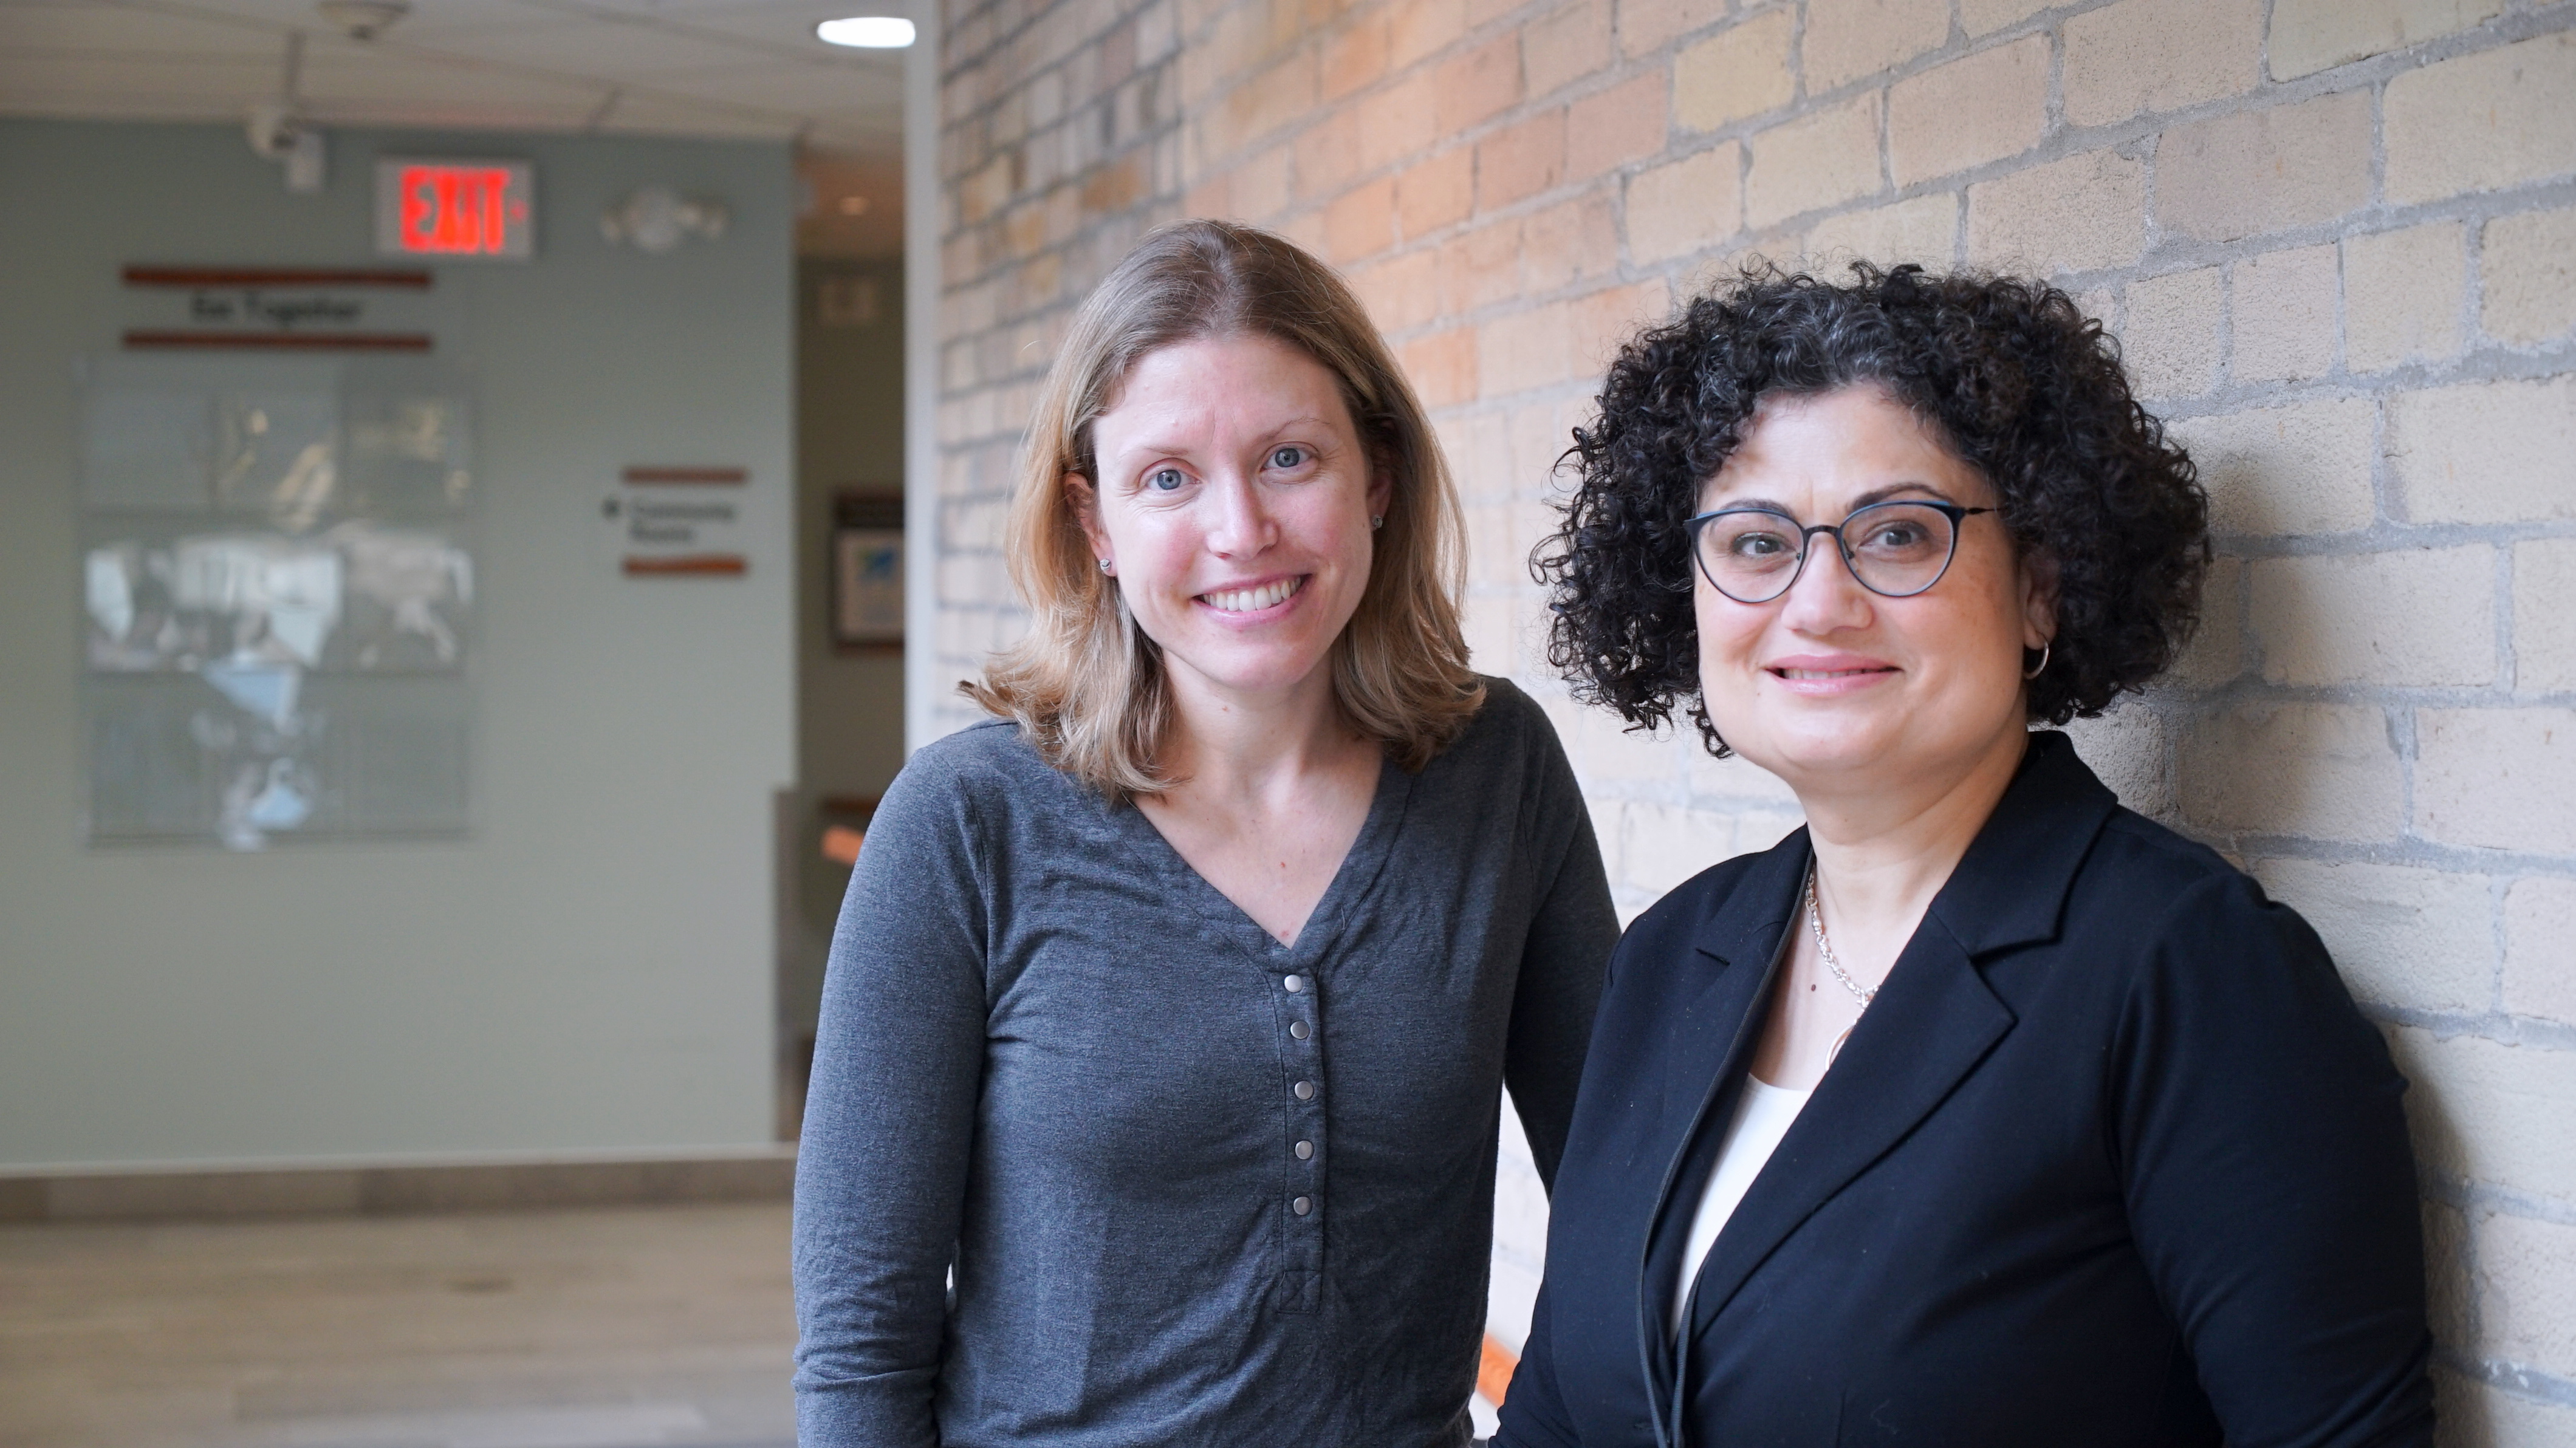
x=1086, y=685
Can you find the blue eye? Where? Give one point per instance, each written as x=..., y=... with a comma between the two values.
x=1164, y=479
x=1287, y=457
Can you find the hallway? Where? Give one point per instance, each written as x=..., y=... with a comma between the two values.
x=612, y=1328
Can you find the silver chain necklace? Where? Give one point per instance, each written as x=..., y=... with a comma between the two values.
x=1816, y=924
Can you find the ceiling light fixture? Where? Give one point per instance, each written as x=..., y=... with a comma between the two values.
x=868, y=32
x=656, y=219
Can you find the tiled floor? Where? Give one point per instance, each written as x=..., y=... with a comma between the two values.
x=611, y=1328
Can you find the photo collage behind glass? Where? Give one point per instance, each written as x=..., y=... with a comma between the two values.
x=277, y=581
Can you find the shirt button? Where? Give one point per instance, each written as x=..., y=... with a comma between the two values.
x=1305, y=1150
x=1302, y=1205
x=1298, y=1029
x=1294, y=984
x=1305, y=1090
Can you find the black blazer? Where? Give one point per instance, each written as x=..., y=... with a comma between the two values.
x=2111, y=1160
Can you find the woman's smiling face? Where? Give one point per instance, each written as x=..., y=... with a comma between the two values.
x=1830, y=684
x=1234, y=504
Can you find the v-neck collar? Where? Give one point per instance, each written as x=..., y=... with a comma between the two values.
x=1351, y=879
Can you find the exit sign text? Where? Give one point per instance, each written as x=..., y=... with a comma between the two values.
x=455, y=208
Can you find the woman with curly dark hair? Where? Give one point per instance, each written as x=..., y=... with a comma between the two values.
x=2116, y=1161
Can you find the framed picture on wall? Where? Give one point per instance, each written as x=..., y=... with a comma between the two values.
x=867, y=570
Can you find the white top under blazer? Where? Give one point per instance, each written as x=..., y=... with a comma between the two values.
x=1762, y=1117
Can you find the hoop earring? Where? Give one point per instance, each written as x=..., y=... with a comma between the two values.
x=2037, y=669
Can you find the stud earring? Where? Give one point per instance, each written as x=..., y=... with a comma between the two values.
x=1376, y=521
x=1104, y=565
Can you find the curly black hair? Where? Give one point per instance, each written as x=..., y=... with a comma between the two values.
x=2012, y=377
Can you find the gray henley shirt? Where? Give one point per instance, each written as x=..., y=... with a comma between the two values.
x=1197, y=1187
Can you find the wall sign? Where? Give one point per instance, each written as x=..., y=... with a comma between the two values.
x=293, y=309
x=679, y=522
x=462, y=209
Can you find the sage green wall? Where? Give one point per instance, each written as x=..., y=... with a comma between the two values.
x=591, y=970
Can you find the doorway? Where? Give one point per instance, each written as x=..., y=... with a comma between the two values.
x=849, y=583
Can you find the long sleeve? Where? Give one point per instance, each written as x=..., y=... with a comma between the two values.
x=889, y=1123
x=1533, y=1413
x=1570, y=939
x=2271, y=1188
x=1563, y=975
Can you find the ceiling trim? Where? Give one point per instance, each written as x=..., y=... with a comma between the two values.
x=599, y=98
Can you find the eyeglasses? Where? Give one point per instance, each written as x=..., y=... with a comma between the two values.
x=1895, y=550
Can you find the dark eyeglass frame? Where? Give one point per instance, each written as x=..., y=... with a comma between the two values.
x=1842, y=543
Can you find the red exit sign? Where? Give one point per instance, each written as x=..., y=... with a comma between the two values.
x=455, y=208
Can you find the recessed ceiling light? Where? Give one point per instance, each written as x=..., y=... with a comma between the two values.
x=870, y=32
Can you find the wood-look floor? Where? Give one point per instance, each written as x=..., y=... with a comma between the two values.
x=594, y=1328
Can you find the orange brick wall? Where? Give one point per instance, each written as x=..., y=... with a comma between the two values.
x=2338, y=238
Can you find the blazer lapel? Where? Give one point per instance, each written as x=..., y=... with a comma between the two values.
x=1933, y=1020
x=1705, y=1053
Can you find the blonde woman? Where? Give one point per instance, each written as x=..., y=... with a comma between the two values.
x=1156, y=1094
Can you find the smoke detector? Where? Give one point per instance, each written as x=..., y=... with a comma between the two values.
x=364, y=19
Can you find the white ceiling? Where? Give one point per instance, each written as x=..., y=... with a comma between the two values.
x=718, y=68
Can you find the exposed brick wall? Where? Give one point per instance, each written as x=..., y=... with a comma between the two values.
x=2338, y=238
